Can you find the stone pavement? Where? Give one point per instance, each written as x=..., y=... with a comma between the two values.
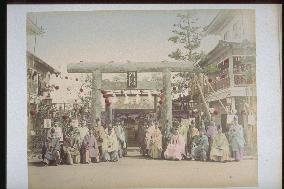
x=137, y=172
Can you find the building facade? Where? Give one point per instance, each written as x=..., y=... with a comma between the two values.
x=230, y=81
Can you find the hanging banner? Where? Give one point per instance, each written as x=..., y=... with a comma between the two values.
x=131, y=79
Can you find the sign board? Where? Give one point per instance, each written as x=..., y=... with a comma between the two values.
x=131, y=79
x=47, y=123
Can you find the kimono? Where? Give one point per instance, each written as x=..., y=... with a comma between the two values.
x=99, y=134
x=237, y=141
x=183, y=131
x=192, y=133
x=142, y=139
x=167, y=135
x=90, y=149
x=175, y=149
x=211, y=133
x=200, y=147
x=110, y=147
x=52, y=153
x=220, y=148
x=121, y=140
x=72, y=147
x=155, y=143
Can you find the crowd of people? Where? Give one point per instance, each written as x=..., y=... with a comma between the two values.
x=184, y=140
x=85, y=143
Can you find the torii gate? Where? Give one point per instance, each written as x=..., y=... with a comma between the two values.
x=97, y=68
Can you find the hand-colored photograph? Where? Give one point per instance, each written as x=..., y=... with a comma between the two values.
x=141, y=99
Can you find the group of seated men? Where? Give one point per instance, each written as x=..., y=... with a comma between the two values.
x=83, y=144
x=183, y=140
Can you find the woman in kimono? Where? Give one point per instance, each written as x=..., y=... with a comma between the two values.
x=110, y=145
x=175, y=149
x=183, y=131
x=90, y=149
x=220, y=147
x=200, y=146
x=167, y=134
x=192, y=133
x=155, y=143
x=236, y=140
x=211, y=133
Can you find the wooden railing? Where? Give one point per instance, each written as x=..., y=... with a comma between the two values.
x=217, y=85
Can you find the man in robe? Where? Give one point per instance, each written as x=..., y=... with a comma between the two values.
x=183, y=131
x=175, y=149
x=167, y=134
x=119, y=131
x=52, y=153
x=99, y=133
x=236, y=140
x=200, y=146
x=141, y=137
x=211, y=133
x=220, y=147
x=192, y=133
x=83, y=129
x=90, y=148
x=155, y=141
x=110, y=145
x=74, y=145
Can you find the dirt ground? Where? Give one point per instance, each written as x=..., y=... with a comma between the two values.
x=138, y=172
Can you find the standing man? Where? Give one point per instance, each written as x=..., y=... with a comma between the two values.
x=236, y=139
x=183, y=131
x=99, y=132
x=119, y=131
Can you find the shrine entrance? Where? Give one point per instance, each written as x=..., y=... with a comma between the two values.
x=99, y=86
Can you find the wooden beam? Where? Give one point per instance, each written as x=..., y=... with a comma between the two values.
x=142, y=85
x=118, y=67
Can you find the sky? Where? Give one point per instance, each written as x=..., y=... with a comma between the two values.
x=103, y=36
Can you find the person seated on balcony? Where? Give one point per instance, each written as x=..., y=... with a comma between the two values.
x=90, y=148
x=175, y=149
x=110, y=145
x=236, y=139
x=52, y=153
x=119, y=131
x=220, y=147
x=200, y=146
x=154, y=137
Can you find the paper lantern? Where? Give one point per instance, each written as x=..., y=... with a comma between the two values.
x=66, y=77
x=33, y=113
x=215, y=112
x=56, y=87
x=210, y=80
x=107, y=101
x=81, y=90
x=160, y=102
x=76, y=79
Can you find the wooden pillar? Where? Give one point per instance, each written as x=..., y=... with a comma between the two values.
x=96, y=96
x=108, y=110
x=167, y=105
x=155, y=102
